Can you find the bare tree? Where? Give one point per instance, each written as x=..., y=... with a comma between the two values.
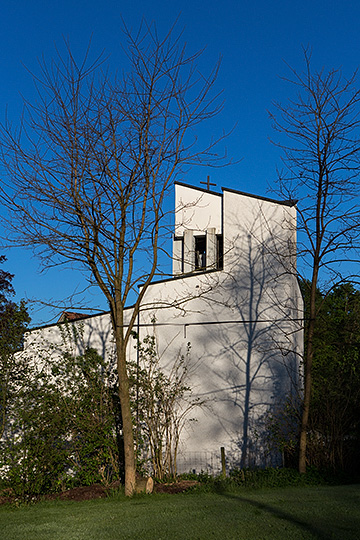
x=91, y=164
x=321, y=156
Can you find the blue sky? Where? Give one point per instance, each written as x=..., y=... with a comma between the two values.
x=255, y=39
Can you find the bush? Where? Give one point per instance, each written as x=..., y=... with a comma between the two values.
x=62, y=428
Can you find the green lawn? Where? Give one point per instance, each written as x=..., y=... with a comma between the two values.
x=297, y=512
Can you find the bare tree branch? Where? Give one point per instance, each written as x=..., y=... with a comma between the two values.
x=321, y=157
x=91, y=163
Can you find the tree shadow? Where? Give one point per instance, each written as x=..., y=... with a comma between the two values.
x=304, y=525
x=249, y=358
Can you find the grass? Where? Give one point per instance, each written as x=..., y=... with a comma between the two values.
x=326, y=512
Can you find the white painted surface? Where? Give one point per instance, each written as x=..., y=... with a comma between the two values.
x=196, y=209
x=240, y=321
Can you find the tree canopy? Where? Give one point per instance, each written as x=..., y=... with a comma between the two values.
x=334, y=421
x=13, y=322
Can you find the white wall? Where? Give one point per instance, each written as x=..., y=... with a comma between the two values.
x=239, y=320
x=197, y=210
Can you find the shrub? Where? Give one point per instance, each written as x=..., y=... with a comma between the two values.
x=62, y=428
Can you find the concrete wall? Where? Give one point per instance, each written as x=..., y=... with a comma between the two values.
x=241, y=321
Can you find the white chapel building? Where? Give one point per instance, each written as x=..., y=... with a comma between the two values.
x=234, y=296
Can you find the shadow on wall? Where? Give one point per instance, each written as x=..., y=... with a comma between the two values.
x=254, y=366
x=244, y=330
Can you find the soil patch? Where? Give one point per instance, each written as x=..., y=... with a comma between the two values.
x=175, y=487
x=83, y=493
x=98, y=491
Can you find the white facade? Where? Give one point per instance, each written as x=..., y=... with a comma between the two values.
x=235, y=298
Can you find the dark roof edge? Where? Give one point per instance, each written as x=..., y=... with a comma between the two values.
x=203, y=190
x=171, y=278
x=90, y=316
x=267, y=199
x=183, y=276
x=238, y=192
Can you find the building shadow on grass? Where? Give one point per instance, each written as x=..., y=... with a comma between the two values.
x=347, y=530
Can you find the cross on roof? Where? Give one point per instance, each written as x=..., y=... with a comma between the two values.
x=208, y=183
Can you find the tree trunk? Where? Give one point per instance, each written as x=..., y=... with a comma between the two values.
x=305, y=413
x=127, y=424
x=308, y=377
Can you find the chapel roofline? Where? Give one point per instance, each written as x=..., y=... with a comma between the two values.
x=203, y=190
x=238, y=192
x=83, y=316
x=260, y=197
x=59, y=322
